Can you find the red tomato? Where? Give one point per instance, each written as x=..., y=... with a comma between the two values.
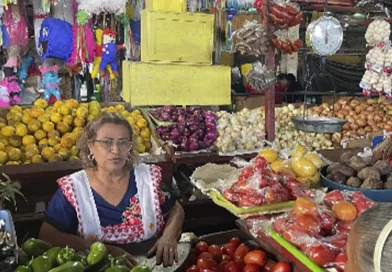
x=308, y=224
x=206, y=256
x=340, y=262
x=193, y=268
x=201, y=247
x=257, y=257
x=343, y=227
x=222, y=265
x=321, y=255
x=294, y=236
x=338, y=241
x=282, y=267
x=268, y=266
x=216, y=252
x=327, y=220
x=251, y=268
x=247, y=172
x=229, y=249
x=231, y=267
x=231, y=195
x=235, y=241
x=333, y=197
x=226, y=258
x=260, y=163
x=206, y=264
x=240, y=252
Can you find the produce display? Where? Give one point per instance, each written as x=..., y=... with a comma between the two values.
x=362, y=116
x=234, y=256
x=252, y=39
x=243, y=130
x=192, y=129
x=39, y=256
x=45, y=133
x=287, y=136
x=320, y=230
x=361, y=172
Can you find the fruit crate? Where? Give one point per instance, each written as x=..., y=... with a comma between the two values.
x=163, y=84
x=172, y=5
x=180, y=38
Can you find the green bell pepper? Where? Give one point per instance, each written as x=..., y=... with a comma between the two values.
x=101, y=266
x=82, y=259
x=22, y=268
x=65, y=255
x=141, y=268
x=23, y=258
x=41, y=264
x=116, y=268
x=35, y=247
x=69, y=267
x=52, y=254
x=119, y=260
x=97, y=253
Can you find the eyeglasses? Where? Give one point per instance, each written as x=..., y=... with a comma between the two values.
x=123, y=145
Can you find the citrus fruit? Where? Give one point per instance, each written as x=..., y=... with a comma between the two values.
x=57, y=104
x=82, y=112
x=41, y=103
x=34, y=125
x=65, y=109
x=145, y=133
x=53, y=133
x=73, y=103
x=14, y=154
x=56, y=117
x=26, y=118
x=36, y=159
x=21, y=130
x=14, y=116
x=62, y=127
x=68, y=119
x=7, y=131
x=47, y=152
x=44, y=117
x=74, y=151
x=79, y=122
x=28, y=140
x=16, y=108
x=36, y=111
x=65, y=153
x=67, y=141
x=141, y=123
x=344, y=210
x=3, y=157
x=47, y=126
x=15, y=141
x=55, y=157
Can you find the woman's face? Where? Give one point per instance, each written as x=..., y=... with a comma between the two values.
x=111, y=147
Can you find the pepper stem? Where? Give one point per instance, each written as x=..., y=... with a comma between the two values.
x=66, y=253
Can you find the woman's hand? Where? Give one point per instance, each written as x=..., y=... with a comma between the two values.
x=165, y=250
x=129, y=261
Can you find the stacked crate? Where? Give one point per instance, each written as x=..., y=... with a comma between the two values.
x=176, y=60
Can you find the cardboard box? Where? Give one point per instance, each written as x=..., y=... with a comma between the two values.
x=362, y=142
x=335, y=154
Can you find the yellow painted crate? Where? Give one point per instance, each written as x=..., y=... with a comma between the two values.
x=166, y=5
x=180, y=38
x=148, y=84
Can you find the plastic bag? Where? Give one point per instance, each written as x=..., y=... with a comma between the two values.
x=259, y=77
x=378, y=32
x=286, y=43
x=251, y=39
x=16, y=26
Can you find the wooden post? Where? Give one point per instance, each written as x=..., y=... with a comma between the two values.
x=270, y=93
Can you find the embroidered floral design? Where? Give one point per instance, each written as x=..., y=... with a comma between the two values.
x=133, y=213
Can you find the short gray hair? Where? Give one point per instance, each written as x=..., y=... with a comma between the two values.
x=366, y=231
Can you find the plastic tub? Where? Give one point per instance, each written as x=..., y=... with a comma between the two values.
x=384, y=195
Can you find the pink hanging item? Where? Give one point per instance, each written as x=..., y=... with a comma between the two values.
x=16, y=26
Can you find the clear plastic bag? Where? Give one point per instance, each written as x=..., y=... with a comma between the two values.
x=252, y=39
x=259, y=77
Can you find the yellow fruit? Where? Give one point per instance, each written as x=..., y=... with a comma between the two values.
x=47, y=152
x=79, y=122
x=28, y=140
x=44, y=117
x=62, y=127
x=26, y=118
x=138, y=140
x=140, y=148
x=21, y=130
x=303, y=167
x=7, y=131
x=299, y=151
x=47, y=126
x=74, y=151
x=94, y=104
x=56, y=117
x=43, y=142
x=34, y=125
x=269, y=154
x=2, y=146
x=93, y=111
x=315, y=179
x=73, y=158
x=74, y=136
x=16, y=108
x=136, y=112
x=31, y=152
x=40, y=134
x=67, y=141
x=136, y=130
x=111, y=109
x=65, y=109
x=276, y=165
x=14, y=154
x=147, y=145
x=5, y=141
x=124, y=113
x=131, y=120
x=78, y=130
x=288, y=171
x=57, y=104
x=41, y=103
x=57, y=147
x=73, y=103
x=12, y=163
x=2, y=120
x=68, y=119
x=65, y=153
x=55, y=157
x=53, y=133
x=3, y=157
x=50, y=110
x=36, y=159
x=2, y=125
x=141, y=123
x=82, y=112
x=27, y=162
x=84, y=105
x=36, y=111
x=14, y=116
x=145, y=133
x=315, y=159
x=15, y=141
x=119, y=107
x=90, y=118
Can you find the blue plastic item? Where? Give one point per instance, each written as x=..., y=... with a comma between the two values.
x=383, y=195
x=9, y=226
x=377, y=140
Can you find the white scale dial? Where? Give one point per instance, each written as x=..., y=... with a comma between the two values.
x=326, y=36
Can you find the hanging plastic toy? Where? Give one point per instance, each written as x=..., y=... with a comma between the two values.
x=109, y=52
x=23, y=72
x=51, y=83
x=229, y=17
x=98, y=56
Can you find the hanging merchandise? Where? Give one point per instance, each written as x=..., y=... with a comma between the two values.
x=240, y=5
x=55, y=40
x=4, y=97
x=9, y=2
x=285, y=15
x=10, y=82
x=23, y=71
x=63, y=9
x=109, y=52
x=252, y=39
x=135, y=39
x=98, y=56
x=50, y=84
x=5, y=40
x=259, y=77
x=378, y=32
x=230, y=13
x=193, y=5
x=124, y=20
x=83, y=41
x=286, y=43
x=102, y=6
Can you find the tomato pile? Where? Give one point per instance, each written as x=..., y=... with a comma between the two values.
x=234, y=257
x=258, y=185
x=321, y=231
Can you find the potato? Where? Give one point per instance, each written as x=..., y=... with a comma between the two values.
x=332, y=167
x=354, y=182
x=356, y=163
x=372, y=183
x=383, y=166
x=369, y=172
x=337, y=177
x=346, y=156
x=345, y=170
x=388, y=185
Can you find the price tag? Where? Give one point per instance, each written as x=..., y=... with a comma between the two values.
x=377, y=68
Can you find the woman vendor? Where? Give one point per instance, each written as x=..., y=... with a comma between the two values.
x=369, y=246
x=111, y=200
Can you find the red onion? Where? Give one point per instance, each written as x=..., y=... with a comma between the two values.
x=212, y=135
x=193, y=128
x=186, y=132
x=202, y=145
x=193, y=146
x=175, y=134
x=165, y=116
